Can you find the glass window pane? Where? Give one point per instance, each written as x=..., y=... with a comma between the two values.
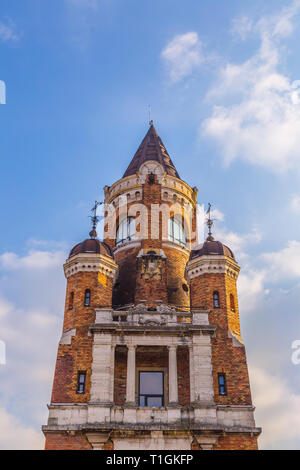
x=142, y=400
x=221, y=379
x=151, y=383
x=155, y=401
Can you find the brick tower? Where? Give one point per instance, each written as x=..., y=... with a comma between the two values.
x=151, y=354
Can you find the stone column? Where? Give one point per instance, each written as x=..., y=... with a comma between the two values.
x=202, y=370
x=173, y=378
x=102, y=370
x=130, y=384
x=192, y=375
x=112, y=368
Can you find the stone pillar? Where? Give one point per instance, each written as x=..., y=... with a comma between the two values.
x=130, y=384
x=202, y=370
x=112, y=368
x=102, y=370
x=173, y=378
x=192, y=375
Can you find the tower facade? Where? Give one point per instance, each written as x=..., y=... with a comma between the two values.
x=151, y=354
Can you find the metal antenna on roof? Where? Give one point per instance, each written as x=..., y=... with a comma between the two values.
x=95, y=219
x=209, y=223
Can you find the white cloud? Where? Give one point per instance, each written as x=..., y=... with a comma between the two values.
x=277, y=409
x=15, y=435
x=284, y=264
x=251, y=287
x=34, y=260
x=7, y=31
x=295, y=204
x=31, y=312
x=238, y=242
x=5, y=307
x=182, y=55
x=262, y=126
x=242, y=27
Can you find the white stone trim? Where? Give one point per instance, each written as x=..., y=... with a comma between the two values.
x=226, y=417
x=130, y=381
x=173, y=376
x=127, y=246
x=176, y=246
x=90, y=262
x=202, y=369
x=67, y=336
x=212, y=264
x=102, y=369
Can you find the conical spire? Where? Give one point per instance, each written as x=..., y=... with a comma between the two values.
x=152, y=148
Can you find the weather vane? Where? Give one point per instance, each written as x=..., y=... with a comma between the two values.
x=95, y=219
x=209, y=223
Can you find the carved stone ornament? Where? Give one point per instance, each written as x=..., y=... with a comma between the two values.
x=152, y=320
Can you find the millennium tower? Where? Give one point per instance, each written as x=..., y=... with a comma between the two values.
x=151, y=354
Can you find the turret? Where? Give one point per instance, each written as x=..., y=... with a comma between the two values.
x=90, y=271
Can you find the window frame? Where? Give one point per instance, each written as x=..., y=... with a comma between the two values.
x=71, y=300
x=150, y=395
x=87, y=294
x=222, y=374
x=172, y=232
x=130, y=234
x=232, y=303
x=216, y=303
x=81, y=373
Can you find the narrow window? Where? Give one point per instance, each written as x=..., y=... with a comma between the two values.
x=151, y=389
x=71, y=300
x=232, y=304
x=87, y=298
x=126, y=230
x=216, y=299
x=222, y=384
x=81, y=382
x=176, y=232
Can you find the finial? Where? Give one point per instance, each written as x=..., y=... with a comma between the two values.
x=210, y=223
x=94, y=219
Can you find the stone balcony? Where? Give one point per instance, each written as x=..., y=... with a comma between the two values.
x=94, y=416
x=162, y=317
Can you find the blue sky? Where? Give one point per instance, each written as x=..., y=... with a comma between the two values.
x=221, y=78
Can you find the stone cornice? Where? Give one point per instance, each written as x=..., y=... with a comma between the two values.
x=212, y=264
x=90, y=262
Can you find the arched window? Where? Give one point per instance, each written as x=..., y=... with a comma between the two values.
x=232, y=303
x=216, y=299
x=87, y=298
x=176, y=232
x=126, y=230
x=71, y=300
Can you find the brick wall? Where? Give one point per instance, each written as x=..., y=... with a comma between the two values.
x=77, y=357
x=67, y=442
x=226, y=358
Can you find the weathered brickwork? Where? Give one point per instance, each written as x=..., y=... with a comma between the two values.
x=236, y=442
x=66, y=441
x=226, y=356
x=77, y=357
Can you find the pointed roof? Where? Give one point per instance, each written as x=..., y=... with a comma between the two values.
x=151, y=148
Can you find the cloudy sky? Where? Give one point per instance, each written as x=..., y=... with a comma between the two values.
x=223, y=81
